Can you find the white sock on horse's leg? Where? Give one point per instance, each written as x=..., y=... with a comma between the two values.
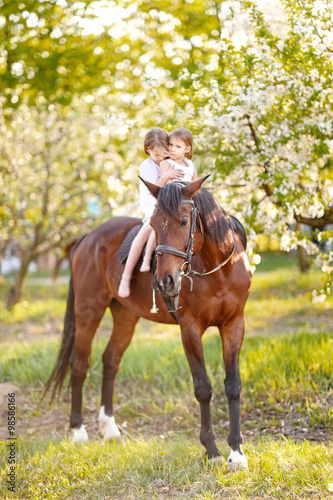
x=79, y=434
x=236, y=461
x=107, y=426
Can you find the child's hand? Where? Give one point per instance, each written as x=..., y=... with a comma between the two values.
x=174, y=173
x=169, y=173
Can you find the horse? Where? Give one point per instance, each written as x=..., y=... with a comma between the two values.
x=196, y=239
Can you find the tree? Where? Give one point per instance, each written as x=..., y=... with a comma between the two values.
x=59, y=49
x=54, y=163
x=266, y=124
x=81, y=88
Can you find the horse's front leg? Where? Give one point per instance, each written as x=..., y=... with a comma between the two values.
x=232, y=338
x=191, y=337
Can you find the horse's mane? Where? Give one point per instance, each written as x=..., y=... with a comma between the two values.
x=215, y=220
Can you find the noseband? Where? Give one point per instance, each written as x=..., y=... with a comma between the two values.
x=186, y=267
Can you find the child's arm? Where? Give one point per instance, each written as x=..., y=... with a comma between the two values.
x=168, y=173
x=195, y=174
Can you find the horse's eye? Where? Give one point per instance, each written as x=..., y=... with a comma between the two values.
x=184, y=222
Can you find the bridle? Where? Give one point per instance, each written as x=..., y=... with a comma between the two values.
x=186, y=268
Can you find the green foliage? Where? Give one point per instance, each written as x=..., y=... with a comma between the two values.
x=258, y=100
x=265, y=121
x=60, y=49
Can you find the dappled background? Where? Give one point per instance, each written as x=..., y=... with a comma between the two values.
x=81, y=83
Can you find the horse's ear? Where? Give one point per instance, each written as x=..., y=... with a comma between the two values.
x=152, y=187
x=191, y=189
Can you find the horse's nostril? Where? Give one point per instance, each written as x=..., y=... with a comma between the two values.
x=166, y=285
x=168, y=282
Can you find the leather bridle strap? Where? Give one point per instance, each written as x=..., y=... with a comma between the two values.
x=189, y=251
x=196, y=273
x=186, y=267
x=173, y=251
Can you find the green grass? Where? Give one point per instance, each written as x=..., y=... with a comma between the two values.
x=170, y=468
x=279, y=372
x=286, y=369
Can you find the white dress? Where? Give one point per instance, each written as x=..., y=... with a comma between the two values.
x=188, y=170
x=151, y=172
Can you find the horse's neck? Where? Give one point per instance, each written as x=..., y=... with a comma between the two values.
x=212, y=254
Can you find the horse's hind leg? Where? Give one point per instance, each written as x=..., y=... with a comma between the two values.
x=124, y=322
x=87, y=322
x=232, y=338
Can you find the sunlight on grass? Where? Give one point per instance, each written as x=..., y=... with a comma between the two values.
x=277, y=468
x=174, y=467
x=39, y=310
x=277, y=371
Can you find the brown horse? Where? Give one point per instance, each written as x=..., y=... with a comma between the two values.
x=187, y=221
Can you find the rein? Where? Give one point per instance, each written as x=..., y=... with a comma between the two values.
x=186, y=269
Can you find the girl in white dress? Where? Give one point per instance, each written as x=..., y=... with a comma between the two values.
x=156, y=146
x=181, y=154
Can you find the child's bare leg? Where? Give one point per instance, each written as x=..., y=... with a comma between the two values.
x=133, y=257
x=151, y=244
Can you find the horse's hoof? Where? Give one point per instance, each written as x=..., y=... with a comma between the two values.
x=79, y=434
x=237, y=461
x=108, y=427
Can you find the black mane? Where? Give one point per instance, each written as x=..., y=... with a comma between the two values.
x=215, y=221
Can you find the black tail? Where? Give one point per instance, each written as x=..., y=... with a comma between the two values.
x=61, y=368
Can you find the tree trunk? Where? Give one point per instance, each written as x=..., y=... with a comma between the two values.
x=16, y=291
x=303, y=258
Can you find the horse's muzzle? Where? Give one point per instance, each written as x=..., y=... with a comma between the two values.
x=168, y=287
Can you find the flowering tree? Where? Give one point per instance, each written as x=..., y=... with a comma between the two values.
x=260, y=108
x=265, y=124
x=55, y=163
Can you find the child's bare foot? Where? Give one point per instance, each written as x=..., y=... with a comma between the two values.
x=124, y=287
x=145, y=267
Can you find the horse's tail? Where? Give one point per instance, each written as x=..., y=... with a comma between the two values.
x=61, y=368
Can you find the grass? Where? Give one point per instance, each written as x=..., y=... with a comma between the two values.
x=286, y=369
x=171, y=468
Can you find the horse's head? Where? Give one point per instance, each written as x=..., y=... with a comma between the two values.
x=177, y=234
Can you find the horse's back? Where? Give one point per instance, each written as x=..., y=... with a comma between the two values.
x=113, y=228
x=110, y=232
x=100, y=247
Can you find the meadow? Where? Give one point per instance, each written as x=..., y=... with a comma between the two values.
x=287, y=402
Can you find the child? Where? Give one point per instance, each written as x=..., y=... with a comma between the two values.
x=181, y=154
x=156, y=146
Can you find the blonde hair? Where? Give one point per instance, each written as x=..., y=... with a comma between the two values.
x=156, y=138
x=186, y=136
